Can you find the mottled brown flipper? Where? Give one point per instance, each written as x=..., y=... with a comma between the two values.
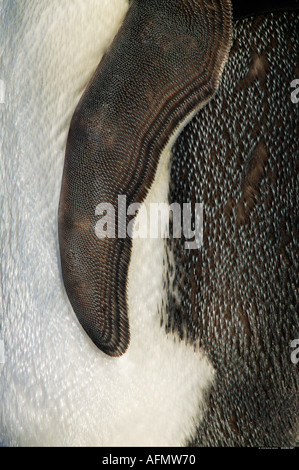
x=166, y=61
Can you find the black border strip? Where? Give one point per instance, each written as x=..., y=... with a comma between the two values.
x=244, y=9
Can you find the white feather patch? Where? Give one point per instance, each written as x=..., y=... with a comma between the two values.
x=56, y=388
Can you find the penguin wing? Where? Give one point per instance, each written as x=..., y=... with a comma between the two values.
x=164, y=64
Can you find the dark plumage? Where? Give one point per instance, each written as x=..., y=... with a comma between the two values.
x=238, y=295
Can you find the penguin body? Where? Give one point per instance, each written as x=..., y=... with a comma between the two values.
x=217, y=371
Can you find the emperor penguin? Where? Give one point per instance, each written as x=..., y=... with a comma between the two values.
x=114, y=330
